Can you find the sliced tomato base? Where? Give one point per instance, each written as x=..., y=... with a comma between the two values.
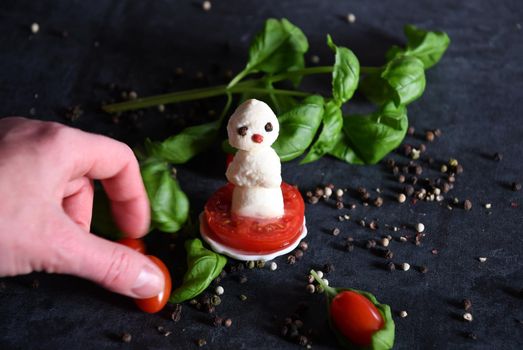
x=254, y=235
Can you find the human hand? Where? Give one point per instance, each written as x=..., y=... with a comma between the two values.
x=46, y=173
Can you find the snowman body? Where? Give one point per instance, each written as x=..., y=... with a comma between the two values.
x=256, y=169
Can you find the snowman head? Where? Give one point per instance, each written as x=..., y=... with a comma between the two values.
x=252, y=126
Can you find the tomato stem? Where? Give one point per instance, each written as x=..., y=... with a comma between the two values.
x=329, y=290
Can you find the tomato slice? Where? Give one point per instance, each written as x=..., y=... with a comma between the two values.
x=355, y=317
x=134, y=244
x=252, y=234
x=156, y=303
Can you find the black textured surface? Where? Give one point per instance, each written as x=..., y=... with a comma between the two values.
x=474, y=95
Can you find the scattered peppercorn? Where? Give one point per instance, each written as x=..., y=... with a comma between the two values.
x=385, y=242
x=335, y=231
x=242, y=279
x=467, y=316
x=403, y=314
x=472, y=336
x=467, y=205
x=126, y=337
x=467, y=304
x=201, y=342
x=351, y=18
x=273, y=266
x=298, y=253
x=391, y=266
x=291, y=260
x=339, y=205
x=423, y=269
x=420, y=227
x=217, y=321
x=219, y=290
x=328, y=267
x=227, y=323
x=405, y=266
x=516, y=186
x=35, y=28
x=373, y=225
x=482, y=259
x=378, y=202
x=402, y=198
x=498, y=157
x=177, y=313
x=310, y=288
x=409, y=190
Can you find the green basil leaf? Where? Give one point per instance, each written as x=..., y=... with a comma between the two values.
x=279, y=47
x=345, y=73
x=203, y=266
x=332, y=125
x=298, y=127
x=376, y=89
x=426, y=46
x=373, y=136
x=343, y=150
x=406, y=76
x=180, y=148
x=169, y=204
x=102, y=222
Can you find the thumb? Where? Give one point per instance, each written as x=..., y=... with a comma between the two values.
x=112, y=265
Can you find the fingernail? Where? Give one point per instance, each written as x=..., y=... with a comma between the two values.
x=149, y=282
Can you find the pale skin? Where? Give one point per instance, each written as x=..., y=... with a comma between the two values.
x=46, y=187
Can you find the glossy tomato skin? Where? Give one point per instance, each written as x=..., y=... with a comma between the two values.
x=134, y=244
x=251, y=234
x=355, y=317
x=156, y=303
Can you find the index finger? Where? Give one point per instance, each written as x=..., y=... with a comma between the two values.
x=113, y=162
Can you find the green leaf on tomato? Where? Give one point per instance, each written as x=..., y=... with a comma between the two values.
x=203, y=266
x=382, y=339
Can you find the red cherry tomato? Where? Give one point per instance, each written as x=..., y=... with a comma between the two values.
x=355, y=317
x=156, y=303
x=250, y=234
x=134, y=244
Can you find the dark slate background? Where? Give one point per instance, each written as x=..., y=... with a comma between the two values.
x=474, y=95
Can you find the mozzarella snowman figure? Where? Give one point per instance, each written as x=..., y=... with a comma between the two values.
x=256, y=169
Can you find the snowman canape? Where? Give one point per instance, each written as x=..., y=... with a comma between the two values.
x=255, y=216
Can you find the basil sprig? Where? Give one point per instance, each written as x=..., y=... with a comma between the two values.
x=203, y=266
x=383, y=339
x=277, y=54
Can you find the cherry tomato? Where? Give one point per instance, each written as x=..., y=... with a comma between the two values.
x=156, y=303
x=134, y=244
x=355, y=317
x=250, y=234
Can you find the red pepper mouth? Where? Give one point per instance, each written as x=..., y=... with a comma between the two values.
x=257, y=138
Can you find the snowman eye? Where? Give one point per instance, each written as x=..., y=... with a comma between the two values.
x=242, y=131
x=268, y=127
